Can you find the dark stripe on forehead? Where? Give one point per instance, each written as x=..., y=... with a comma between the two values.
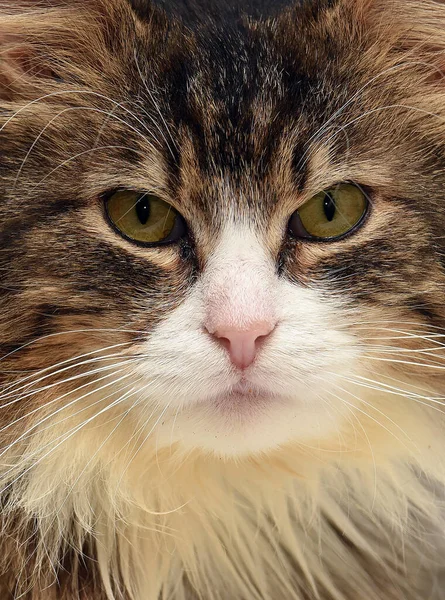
x=219, y=90
x=180, y=107
x=194, y=12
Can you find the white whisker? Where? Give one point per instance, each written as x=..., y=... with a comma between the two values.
x=158, y=110
x=64, y=407
x=65, y=438
x=79, y=154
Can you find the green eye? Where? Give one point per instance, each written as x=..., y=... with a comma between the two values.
x=144, y=218
x=330, y=214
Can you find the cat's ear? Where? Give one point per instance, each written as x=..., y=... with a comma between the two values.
x=389, y=30
x=415, y=29
x=416, y=23
x=20, y=58
x=46, y=42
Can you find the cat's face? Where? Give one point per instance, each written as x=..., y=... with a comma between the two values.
x=263, y=312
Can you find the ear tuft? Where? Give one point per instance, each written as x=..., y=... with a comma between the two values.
x=405, y=29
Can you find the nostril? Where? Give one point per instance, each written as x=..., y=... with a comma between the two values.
x=262, y=338
x=225, y=342
x=242, y=345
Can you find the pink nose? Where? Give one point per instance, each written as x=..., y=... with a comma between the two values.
x=243, y=345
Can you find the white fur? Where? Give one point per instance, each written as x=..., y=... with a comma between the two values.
x=303, y=357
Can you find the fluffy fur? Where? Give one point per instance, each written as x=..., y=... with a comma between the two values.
x=128, y=472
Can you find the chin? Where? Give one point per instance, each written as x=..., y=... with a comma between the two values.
x=252, y=422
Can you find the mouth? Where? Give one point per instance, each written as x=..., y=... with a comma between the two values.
x=243, y=396
x=245, y=388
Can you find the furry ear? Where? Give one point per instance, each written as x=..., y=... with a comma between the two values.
x=45, y=42
x=418, y=20
x=19, y=56
x=36, y=41
x=416, y=29
x=400, y=29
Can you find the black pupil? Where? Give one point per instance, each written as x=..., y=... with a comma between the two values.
x=329, y=207
x=143, y=209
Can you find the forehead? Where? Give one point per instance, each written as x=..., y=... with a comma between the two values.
x=243, y=100
x=235, y=88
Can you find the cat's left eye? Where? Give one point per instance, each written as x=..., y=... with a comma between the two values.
x=331, y=214
x=144, y=218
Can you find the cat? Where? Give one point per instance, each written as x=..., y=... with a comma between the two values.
x=222, y=326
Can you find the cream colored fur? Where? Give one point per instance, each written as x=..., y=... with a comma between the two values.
x=238, y=528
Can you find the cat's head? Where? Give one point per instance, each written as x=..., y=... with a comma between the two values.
x=224, y=236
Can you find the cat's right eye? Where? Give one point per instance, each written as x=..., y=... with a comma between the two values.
x=144, y=218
